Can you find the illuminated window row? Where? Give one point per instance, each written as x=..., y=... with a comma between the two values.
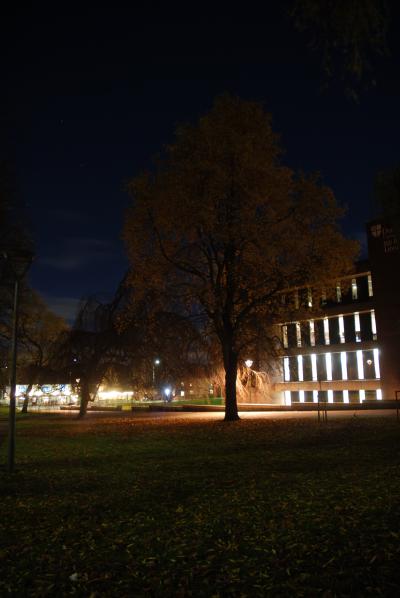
x=328, y=331
x=360, y=289
x=330, y=396
x=353, y=365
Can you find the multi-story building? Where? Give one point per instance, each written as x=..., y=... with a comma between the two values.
x=345, y=347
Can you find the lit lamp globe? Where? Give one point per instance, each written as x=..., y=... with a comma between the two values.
x=248, y=363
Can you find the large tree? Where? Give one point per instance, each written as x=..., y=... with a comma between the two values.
x=91, y=348
x=39, y=333
x=222, y=228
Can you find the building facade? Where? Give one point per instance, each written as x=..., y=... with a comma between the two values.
x=347, y=350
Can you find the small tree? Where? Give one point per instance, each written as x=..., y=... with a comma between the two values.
x=222, y=228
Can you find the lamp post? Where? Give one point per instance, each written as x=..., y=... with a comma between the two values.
x=19, y=263
x=249, y=363
x=155, y=362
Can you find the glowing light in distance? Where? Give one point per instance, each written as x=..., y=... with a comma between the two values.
x=328, y=361
x=286, y=368
x=326, y=331
x=370, y=288
x=360, y=365
x=285, y=336
x=343, y=361
x=373, y=323
x=298, y=334
x=357, y=327
x=354, y=292
x=341, y=329
x=314, y=366
x=376, y=364
x=312, y=333
x=300, y=367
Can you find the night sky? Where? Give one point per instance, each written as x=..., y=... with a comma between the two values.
x=92, y=95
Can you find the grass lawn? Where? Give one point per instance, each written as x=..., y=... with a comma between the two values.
x=182, y=505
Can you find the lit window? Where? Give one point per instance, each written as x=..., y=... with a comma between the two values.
x=376, y=364
x=298, y=334
x=315, y=396
x=373, y=325
x=357, y=327
x=330, y=396
x=360, y=365
x=343, y=361
x=301, y=396
x=288, y=397
x=328, y=362
x=362, y=395
x=314, y=374
x=354, y=290
x=309, y=298
x=312, y=333
x=341, y=329
x=338, y=293
x=376, y=230
x=300, y=367
x=379, y=394
x=326, y=331
x=286, y=368
x=345, y=396
x=370, y=289
x=285, y=336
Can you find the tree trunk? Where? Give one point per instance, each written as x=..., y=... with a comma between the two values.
x=230, y=363
x=26, y=399
x=85, y=398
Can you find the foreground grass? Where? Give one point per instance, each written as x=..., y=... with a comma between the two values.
x=180, y=506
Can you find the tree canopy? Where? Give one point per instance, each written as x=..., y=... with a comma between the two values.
x=348, y=35
x=222, y=228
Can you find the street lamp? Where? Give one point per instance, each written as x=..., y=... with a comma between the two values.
x=249, y=363
x=155, y=362
x=18, y=263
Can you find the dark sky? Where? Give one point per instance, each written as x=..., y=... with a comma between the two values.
x=95, y=92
